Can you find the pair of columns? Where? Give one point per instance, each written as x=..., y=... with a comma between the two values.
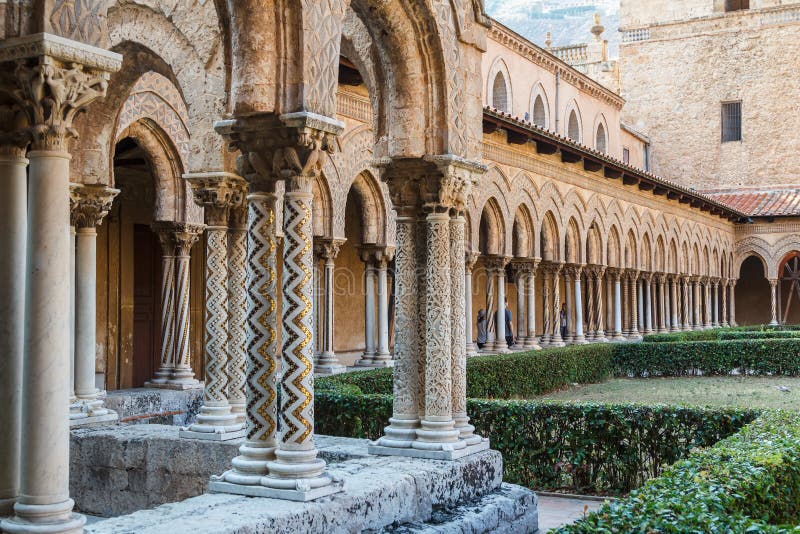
x=496, y=302
x=377, y=261
x=89, y=204
x=51, y=80
x=326, y=361
x=222, y=415
x=177, y=240
x=595, y=310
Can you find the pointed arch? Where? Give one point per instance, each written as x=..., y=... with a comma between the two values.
x=498, y=90
x=614, y=249
x=523, y=233
x=572, y=243
x=540, y=107
x=491, y=237
x=549, y=238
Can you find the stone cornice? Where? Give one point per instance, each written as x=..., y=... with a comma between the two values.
x=45, y=44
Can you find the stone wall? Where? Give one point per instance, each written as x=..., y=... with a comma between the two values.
x=677, y=75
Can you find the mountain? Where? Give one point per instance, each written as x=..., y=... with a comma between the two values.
x=568, y=21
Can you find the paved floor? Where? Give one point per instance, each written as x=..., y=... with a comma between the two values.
x=559, y=511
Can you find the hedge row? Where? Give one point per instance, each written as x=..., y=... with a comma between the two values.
x=716, y=334
x=749, y=482
x=575, y=447
x=507, y=376
x=747, y=356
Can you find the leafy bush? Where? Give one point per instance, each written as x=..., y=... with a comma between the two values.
x=749, y=482
x=753, y=356
x=715, y=334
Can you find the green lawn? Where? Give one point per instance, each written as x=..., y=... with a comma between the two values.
x=745, y=392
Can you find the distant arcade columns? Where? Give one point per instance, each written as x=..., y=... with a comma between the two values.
x=732, y=302
x=327, y=363
x=496, y=270
x=469, y=264
x=773, y=285
x=376, y=320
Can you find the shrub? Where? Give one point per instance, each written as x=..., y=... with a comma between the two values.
x=749, y=482
x=715, y=334
x=753, y=356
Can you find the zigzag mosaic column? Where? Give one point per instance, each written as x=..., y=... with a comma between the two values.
x=215, y=193
x=89, y=205
x=185, y=236
x=237, y=303
x=164, y=373
x=263, y=356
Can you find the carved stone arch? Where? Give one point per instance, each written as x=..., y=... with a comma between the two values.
x=631, y=250
x=614, y=254
x=673, y=264
x=594, y=244
x=782, y=247
x=366, y=191
x=523, y=233
x=646, y=253
x=540, y=116
x=660, y=256
x=322, y=208
x=523, y=182
x=753, y=250
x=173, y=200
x=574, y=245
x=492, y=231
x=549, y=249
x=498, y=72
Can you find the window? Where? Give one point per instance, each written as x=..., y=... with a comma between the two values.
x=539, y=113
x=600, y=138
x=731, y=121
x=573, y=127
x=499, y=93
x=626, y=156
x=736, y=5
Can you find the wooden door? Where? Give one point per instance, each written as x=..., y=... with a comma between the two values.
x=146, y=305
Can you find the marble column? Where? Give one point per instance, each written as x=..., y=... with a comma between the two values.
x=184, y=236
x=327, y=362
x=556, y=340
x=578, y=338
x=89, y=204
x=521, y=277
x=706, y=289
x=640, y=318
x=13, y=217
x=687, y=310
x=531, y=340
x=401, y=431
x=610, y=303
x=469, y=265
x=600, y=334
x=675, y=324
x=724, y=290
x=547, y=307
x=663, y=304
x=648, y=303
x=569, y=300
x=164, y=231
x=773, y=284
x=215, y=193
x=50, y=91
x=732, y=303
x=501, y=345
x=625, y=308
x=697, y=303
x=75, y=411
x=715, y=303
x=383, y=358
x=237, y=303
x=636, y=302
x=591, y=317
x=616, y=275
x=369, y=315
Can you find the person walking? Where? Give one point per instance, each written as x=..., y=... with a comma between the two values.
x=482, y=333
x=509, y=323
x=563, y=318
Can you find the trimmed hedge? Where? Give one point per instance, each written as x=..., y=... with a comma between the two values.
x=716, y=334
x=748, y=356
x=749, y=482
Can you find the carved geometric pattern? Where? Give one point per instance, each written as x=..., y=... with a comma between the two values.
x=182, y=354
x=79, y=20
x=237, y=363
x=216, y=315
x=297, y=384
x=422, y=285
x=458, y=345
x=262, y=327
x=406, y=372
x=322, y=36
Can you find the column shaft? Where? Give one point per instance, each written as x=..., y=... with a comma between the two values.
x=773, y=284
x=472, y=350
x=164, y=372
x=648, y=306
x=521, y=315
x=618, y=308
x=724, y=290
x=369, y=316
x=500, y=323
x=85, y=319
x=182, y=375
x=557, y=340
x=237, y=311
x=579, y=337
x=382, y=357
x=530, y=340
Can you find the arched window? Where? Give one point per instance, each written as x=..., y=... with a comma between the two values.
x=539, y=113
x=574, y=127
x=499, y=93
x=600, y=138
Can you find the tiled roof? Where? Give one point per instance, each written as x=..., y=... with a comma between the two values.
x=774, y=202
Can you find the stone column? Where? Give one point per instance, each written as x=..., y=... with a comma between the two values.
x=591, y=317
x=636, y=303
x=531, y=342
x=610, y=303
x=715, y=303
x=501, y=346
x=706, y=289
x=625, y=308
x=696, y=302
x=687, y=311
x=185, y=236
x=369, y=315
x=600, y=334
x=732, y=303
x=616, y=274
x=547, y=307
x=383, y=358
x=89, y=204
x=164, y=231
x=663, y=304
x=569, y=300
x=49, y=91
x=237, y=303
x=579, y=338
x=674, y=301
x=215, y=193
x=263, y=352
x=724, y=290
x=469, y=265
x=75, y=411
x=521, y=277
x=327, y=362
x=13, y=225
x=401, y=431
x=648, y=303
x=556, y=340
x=773, y=284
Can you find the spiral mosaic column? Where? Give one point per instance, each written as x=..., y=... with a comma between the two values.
x=185, y=237
x=263, y=357
x=405, y=414
x=164, y=372
x=600, y=334
x=556, y=339
x=723, y=287
x=237, y=306
x=547, y=328
x=297, y=467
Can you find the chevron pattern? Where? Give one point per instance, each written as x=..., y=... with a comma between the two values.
x=262, y=350
x=216, y=315
x=237, y=363
x=298, y=381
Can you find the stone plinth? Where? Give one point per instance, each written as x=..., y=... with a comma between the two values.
x=156, y=405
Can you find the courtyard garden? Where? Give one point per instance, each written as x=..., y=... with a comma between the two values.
x=694, y=432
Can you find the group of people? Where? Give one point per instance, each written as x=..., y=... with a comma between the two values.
x=483, y=325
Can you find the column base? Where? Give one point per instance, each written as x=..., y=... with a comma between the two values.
x=332, y=369
x=306, y=494
x=55, y=518
x=180, y=386
x=617, y=337
x=7, y=506
x=94, y=420
x=441, y=454
x=365, y=360
x=218, y=434
x=400, y=433
x=472, y=349
x=725, y=325
x=239, y=410
x=214, y=423
x=556, y=343
x=579, y=340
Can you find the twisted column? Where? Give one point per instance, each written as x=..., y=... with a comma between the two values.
x=13, y=218
x=616, y=274
x=46, y=93
x=674, y=324
x=237, y=303
x=164, y=232
x=591, y=317
x=88, y=205
x=469, y=265
x=724, y=290
x=547, y=308
x=706, y=289
x=185, y=236
x=327, y=362
x=598, y=274
x=556, y=340
x=773, y=300
x=215, y=193
x=687, y=312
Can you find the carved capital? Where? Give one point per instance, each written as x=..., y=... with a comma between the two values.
x=596, y=271
x=573, y=270
x=615, y=273
x=632, y=274
x=496, y=264
x=49, y=80
x=328, y=249
x=661, y=278
x=470, y=258
x=185, y=236
x=376, y=255
x=553, y=269
x=89, y=204
x=217, y=193
x=524, y=267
